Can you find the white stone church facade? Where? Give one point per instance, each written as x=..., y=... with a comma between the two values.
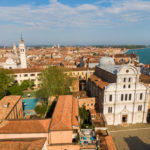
x=120, y=96
x=15, y=61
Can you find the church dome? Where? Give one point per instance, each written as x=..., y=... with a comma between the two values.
x=104, y=61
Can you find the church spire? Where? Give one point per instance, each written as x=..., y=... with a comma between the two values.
x=21, y=39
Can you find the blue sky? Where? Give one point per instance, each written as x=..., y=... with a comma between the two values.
x=75, y=21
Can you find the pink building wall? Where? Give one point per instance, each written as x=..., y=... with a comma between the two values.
x=56, y=137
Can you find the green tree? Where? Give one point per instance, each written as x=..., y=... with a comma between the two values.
x=85, y=117
x=15, y=90
x=41, y=109
x=6, y=80
x=27, y=84
x=54, y=82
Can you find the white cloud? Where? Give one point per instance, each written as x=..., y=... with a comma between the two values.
x=57, y=14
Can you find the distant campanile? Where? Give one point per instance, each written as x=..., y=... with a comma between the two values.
x=22, y=51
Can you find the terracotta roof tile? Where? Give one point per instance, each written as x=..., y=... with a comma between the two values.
x=110, y=143
x=22, y=144
x=25, y=126
x=75, y=112
x=98, y=81
x=62, y=116
x=28, y=70
x=6, y=105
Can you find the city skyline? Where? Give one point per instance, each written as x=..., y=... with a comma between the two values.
x=75, y=22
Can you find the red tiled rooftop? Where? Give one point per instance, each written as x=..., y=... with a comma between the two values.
x=65, y=113
x=25, y=126
x=9, y=101
x=75, y=112
x=22, y=144
x=28, y=70
x=61, y=119
x=98, y=81
x=110, y=143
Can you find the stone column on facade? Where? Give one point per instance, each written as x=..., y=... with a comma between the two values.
x=145, y=107
x=135, y=98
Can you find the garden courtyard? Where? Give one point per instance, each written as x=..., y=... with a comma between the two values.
x=133, y=137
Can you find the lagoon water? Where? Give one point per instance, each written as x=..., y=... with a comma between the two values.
x=144, y=54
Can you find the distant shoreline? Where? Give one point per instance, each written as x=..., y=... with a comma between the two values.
x=134, y=49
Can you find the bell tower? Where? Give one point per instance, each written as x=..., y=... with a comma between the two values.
x=22, y=51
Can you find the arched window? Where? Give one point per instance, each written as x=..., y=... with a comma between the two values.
x=130, y=96
x=129, y=86
x=124, y=86
x=124, y=79
x=129, y=79
x=122, y=97
x=110, y=98
x=141, y=96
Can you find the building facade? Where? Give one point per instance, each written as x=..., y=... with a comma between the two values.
x=119, y=94
x=22, y=51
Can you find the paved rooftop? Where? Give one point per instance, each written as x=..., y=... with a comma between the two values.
x=132, y=138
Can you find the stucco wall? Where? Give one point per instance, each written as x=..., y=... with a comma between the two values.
x=56, y=137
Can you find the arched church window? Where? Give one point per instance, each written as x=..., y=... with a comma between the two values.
x=141, y=96
x=129, y=79
x=124, y=79
x=110, y=98
x=130, y=96
x=122, y=97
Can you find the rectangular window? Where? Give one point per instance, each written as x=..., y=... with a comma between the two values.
x=122, y=97
x=130, y=96
x=25, y=75
x=126, y=96
x=140, y=108
x=141, y=96
x=110, y=98
x=32, y=75
x=109, y=109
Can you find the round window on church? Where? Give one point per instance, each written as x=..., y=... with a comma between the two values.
x=127, y=71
